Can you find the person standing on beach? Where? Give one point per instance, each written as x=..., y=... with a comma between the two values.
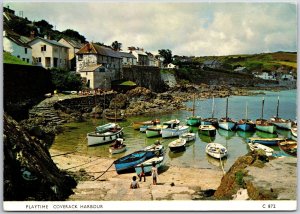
x=154, y=173
x=142, y=174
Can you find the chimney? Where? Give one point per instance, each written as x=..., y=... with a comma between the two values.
x=32, y=35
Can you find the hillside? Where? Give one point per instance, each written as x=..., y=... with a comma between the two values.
x=256, y=62
x=10, y=59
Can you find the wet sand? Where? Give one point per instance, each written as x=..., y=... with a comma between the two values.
x=174, y=183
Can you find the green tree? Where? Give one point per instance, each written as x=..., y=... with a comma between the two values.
x=66, y=81
x=116, y=45
x=74, y=34
x=166, y=54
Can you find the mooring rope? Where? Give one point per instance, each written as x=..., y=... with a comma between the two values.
x=222, y=164
x=104, y=172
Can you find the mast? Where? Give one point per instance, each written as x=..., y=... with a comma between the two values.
x=115, y=113
x=277, y=107
x=226, y=108
x=194, y=106
x=262, y=108
x=246, y=111
x=213, y=108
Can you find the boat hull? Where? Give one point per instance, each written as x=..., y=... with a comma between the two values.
x=155, y=131
x=210, y=121
x=266, y=141
x=168, y=133
x=193, y=121
x=177, y=145
x=208, y=130
x=148, y=165
x=127, y=163
x=283, y=125
x=95, y=138
x=268, y=128
x=246, y=127
x=256, y=146
x=117, y=150
x=188, y=136
x=227, y=125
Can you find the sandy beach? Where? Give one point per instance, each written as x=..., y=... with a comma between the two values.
x=174, y=183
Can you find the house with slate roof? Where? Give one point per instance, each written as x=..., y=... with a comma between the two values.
x=16, y=46
x=49, y=53
x=74, y=46
x=128, y=58
x=98, y=65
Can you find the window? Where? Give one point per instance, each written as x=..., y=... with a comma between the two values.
x=25, y=50
x=80, y=57
x=27, y=60
x=23, y=59
x=18, y=56
x=39, y=59
x=43, y=48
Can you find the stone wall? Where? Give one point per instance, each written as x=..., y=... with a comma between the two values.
x=24, y=87
x=145, y=76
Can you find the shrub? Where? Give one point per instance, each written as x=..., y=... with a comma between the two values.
x=64, y=80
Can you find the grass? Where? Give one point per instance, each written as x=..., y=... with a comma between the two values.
x=290, y=64
x=10, y=59
x=128, y=83
x=239, y=178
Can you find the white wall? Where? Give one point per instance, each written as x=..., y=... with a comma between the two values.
x=16, y=50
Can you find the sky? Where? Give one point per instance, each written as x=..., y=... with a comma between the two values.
x=186, y=28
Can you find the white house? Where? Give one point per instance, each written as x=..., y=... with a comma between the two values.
x=13, y=43
x=49, y=53
x=287, y=77
x=171, y=66
x=98, y=65
x=128, y=58
x=74, y=46
x=141, y=56
x=266, y=76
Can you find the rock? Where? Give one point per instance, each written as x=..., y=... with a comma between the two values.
x=29, y=172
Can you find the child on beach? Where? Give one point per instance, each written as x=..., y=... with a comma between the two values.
x=154, y=173
x=134, y=184
x=142, y=174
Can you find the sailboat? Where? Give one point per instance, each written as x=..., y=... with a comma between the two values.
x=262, y=124
x=212, y=120
x=279, y=122
x=227, y=123
x=193, y=120
x=246, y=124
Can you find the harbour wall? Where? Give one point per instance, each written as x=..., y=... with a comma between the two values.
x=145, y=76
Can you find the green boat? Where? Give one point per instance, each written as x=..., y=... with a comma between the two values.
x=155, y=131
x=193, y=120
x=264, y=125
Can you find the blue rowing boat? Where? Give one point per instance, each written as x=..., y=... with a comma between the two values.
x=128, y=162
x=266, y=141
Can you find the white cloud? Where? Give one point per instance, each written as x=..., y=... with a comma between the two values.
x=184, y=28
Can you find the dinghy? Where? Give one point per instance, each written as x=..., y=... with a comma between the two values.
x=289, y=147
x=216, y=150
x=117, y=147
x=266, y=141
x=127, y=163
x=188, y=136
x=148, y=165
x=208, y=130
x=177, y=145
x=256, y=146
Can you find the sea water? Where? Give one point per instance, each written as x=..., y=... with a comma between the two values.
x=74, y=136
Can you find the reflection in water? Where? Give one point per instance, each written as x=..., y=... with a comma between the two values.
x=173, y=155
x=226, y=134
x=206, y=139
x=215, y=162
x=245, y=135
x=284, y=133
x=265, y=134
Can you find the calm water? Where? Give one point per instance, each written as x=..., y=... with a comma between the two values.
x=75, y=135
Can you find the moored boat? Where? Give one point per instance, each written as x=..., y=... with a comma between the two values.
x=211, y=120
x=153, y=150
x=265, y=141
x=147, y=165
x=177, y=145
x=279, y=122
x=289, y=147
x=262, y=124
x=138, y=125
x=155, y=131
x=208, y=130
x=96, y=138
x=117, y=147
x=193, y=120
x=106, y=127
x=245, y=124
x=188, y=136
x=216, y=150
x=294, y=131
x=226, y=122
x=128, y=162
x=174, y=132
x=171, y=123
x=256, y=146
